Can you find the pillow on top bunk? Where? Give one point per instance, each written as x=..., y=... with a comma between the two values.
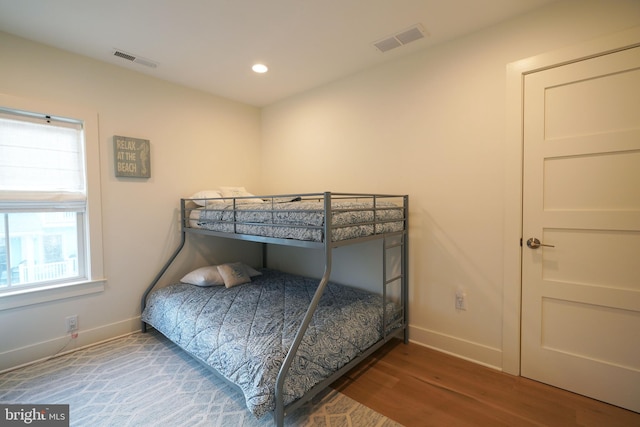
x=204, y=197
x=239, y=192
x=210, y=276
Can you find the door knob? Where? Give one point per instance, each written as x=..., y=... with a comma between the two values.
x=534, y=243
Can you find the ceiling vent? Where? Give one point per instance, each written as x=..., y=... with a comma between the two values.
x=402, y=38
x=133, y=58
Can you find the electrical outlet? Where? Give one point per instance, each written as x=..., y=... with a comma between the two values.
x=72, y=323
x=461, y=300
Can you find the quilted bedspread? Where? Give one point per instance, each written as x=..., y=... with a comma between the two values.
x=301, y=220
x=244, y=332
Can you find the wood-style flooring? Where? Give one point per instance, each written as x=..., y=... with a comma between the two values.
x=417, y=386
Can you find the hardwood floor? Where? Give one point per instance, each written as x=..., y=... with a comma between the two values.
x=417, y=386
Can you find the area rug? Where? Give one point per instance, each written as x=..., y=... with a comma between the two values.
x=145, y=380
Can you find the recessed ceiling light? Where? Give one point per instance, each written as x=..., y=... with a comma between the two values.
x=260, y=68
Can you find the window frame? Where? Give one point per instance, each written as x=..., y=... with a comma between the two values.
x=94, y=280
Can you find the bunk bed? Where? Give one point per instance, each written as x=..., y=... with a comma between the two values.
x=292, y=336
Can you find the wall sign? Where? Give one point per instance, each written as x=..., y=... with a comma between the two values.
x=131, y=157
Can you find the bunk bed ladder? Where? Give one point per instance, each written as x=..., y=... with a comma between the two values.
x=401, y=241
x=392, y=242
x=405, y=269
x=388, y=245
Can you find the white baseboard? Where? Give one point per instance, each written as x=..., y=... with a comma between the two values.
x=38, y=352
x=468, y=350
x=41, y=351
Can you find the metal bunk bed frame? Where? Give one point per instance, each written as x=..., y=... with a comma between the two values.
x=391, y=240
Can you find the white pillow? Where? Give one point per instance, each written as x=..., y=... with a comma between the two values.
x=233, y=274
x=252, y=272
x=204, y=276
x=239, y=192
x=200, y=196
x=210, y=276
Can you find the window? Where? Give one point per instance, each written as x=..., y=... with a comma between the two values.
x=46, y=241
x=38, y=248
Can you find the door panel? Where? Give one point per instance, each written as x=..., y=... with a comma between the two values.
x=575, y=182
x=581, y=196
x=595, y=97
x=593, y=339
x=586, y=258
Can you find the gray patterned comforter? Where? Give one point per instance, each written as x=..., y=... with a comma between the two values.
x=244, y=332
x=302, y=220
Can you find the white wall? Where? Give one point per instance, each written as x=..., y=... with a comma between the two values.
x=195, y=141
x=432, y=126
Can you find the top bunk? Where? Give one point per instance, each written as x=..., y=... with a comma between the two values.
x=296, y=219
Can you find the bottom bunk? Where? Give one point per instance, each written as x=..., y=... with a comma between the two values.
x=244, y=332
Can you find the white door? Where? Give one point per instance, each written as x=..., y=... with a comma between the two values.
x=581, y=297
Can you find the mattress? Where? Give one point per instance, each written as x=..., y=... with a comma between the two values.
x=245, y=332
x=299, y=220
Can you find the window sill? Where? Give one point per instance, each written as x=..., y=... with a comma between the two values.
x=21, y=298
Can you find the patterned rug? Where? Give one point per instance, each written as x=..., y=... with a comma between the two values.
x=145, y=380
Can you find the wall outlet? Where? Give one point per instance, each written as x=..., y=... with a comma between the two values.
x=461, y=300
x=72, y=323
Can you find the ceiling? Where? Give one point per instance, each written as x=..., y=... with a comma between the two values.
x=211, y=44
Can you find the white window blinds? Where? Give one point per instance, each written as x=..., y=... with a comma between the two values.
x=41, y=162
